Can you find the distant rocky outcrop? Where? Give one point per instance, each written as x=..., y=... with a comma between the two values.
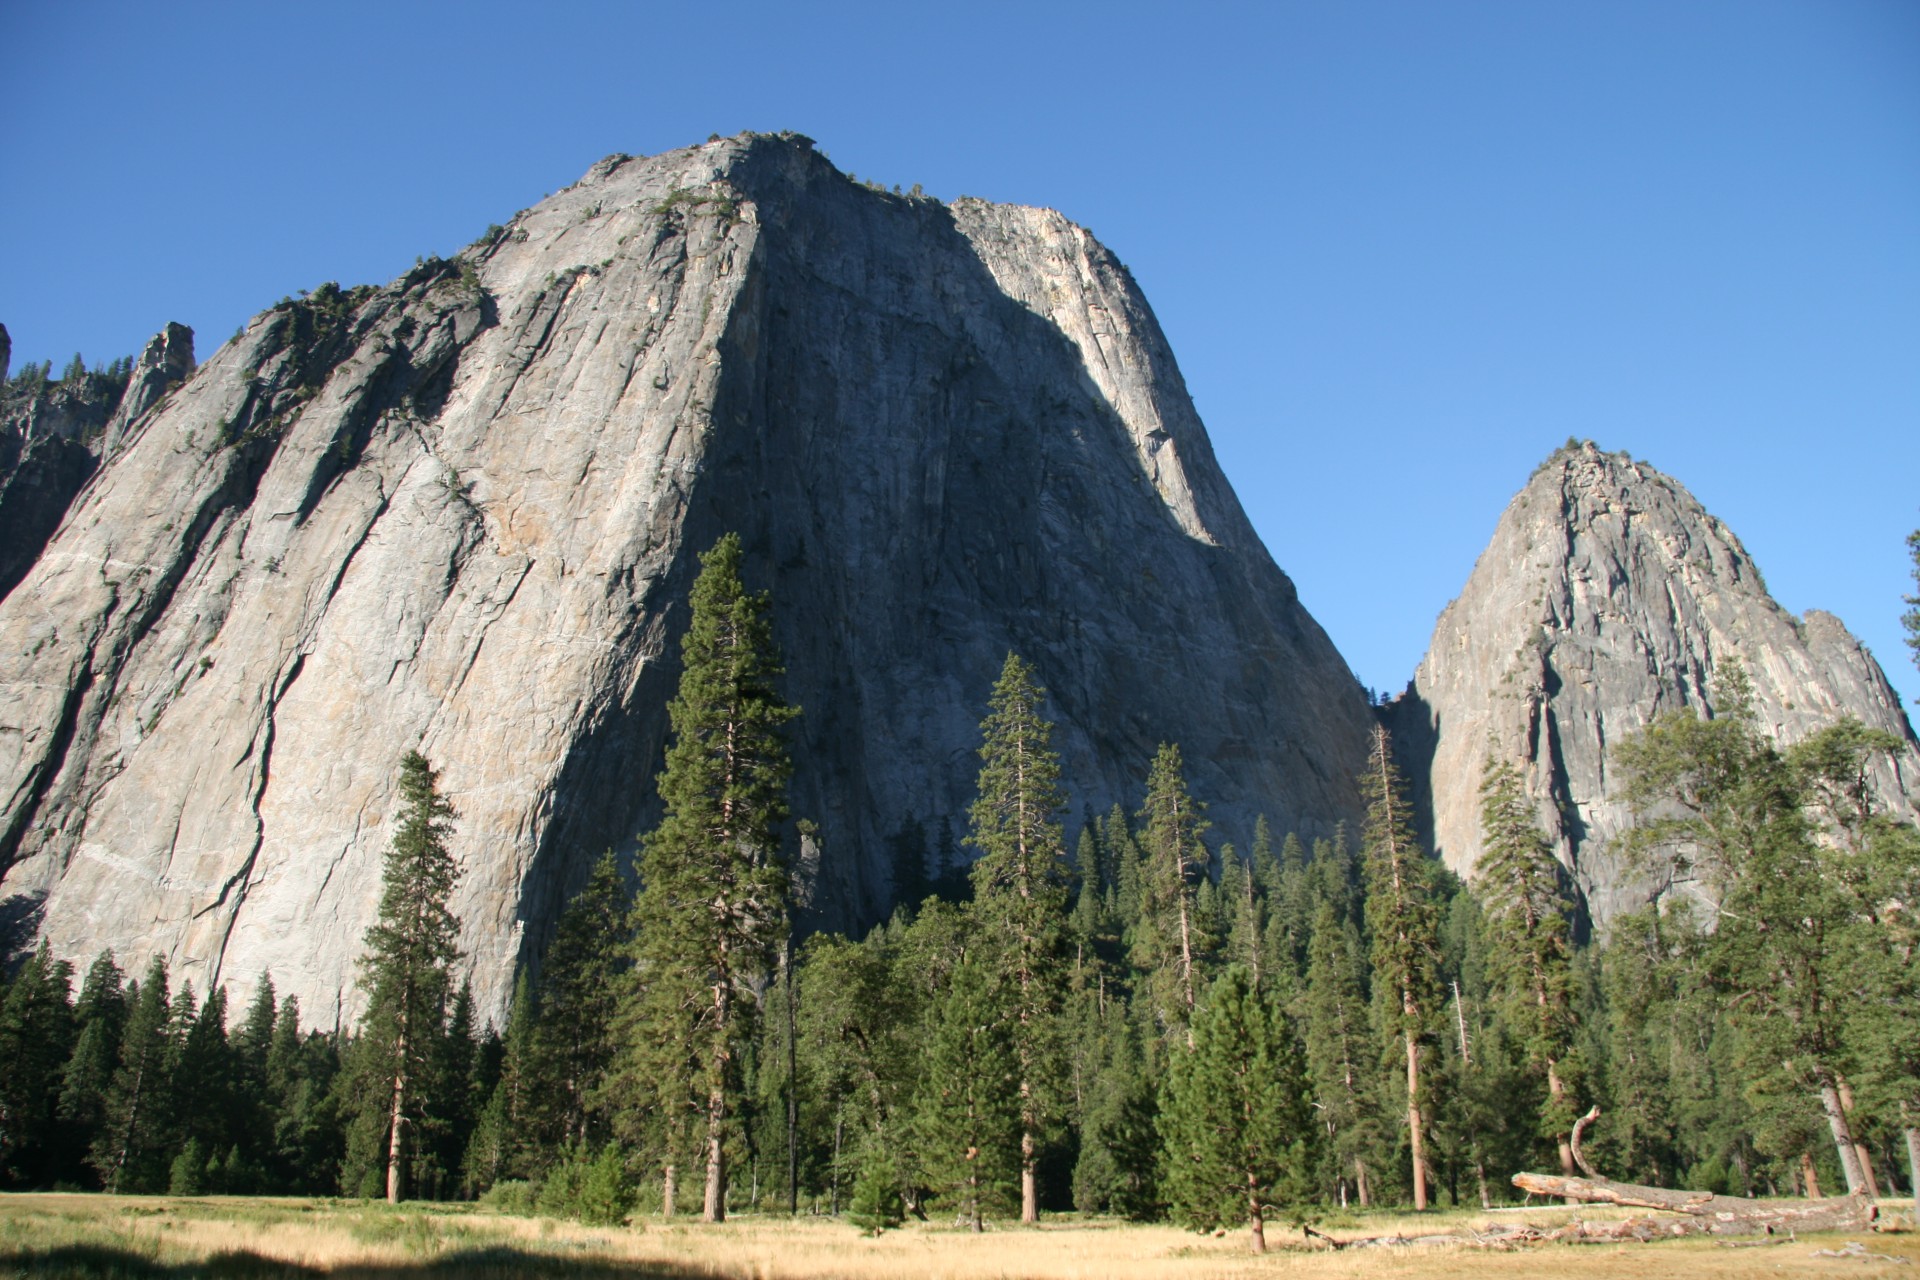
x=460, y=512
x=1607, y=596
x=53, y=435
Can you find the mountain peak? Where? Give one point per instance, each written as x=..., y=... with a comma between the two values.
x=1608, y=595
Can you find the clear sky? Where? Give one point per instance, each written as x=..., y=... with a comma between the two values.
x=1401, y=250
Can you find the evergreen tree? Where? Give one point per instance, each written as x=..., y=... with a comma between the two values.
x=201, y=1075
x=1401, y=918
x=129, y=1152
x=407, y=974
x=579, y=998
x=1780, y=946
x=36, y=1039
x=713, y=906
x=1238, y=1137
x=503, y=1142
x=100, y=1017
x=1115, y=1170
x=1339, y=1060
x=1911, y=618
x=967, y=1115
x=1530, y=958
x=253, y=1109
x=1019, y=894
x=1165, y=943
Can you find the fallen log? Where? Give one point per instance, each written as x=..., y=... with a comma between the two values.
x=1716, y=1215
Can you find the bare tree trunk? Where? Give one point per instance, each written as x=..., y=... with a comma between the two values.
x=1842, y=1134
x=714, y=1207
x=1809, y=1175
x=793, y=1089
x=1414, y=1127
x=397, y=1129
x=1912, y=1130
x=973, y=1203
x=669, y=1189
x=1255, y=1222
x=833, y=1186
x=1360, y=1184
x=1859, y=1147
x=1721, y=1215
x=1029, y=1183
x=1480, y=1176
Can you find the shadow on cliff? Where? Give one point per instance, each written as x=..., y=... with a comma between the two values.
x=925, y=476
x=98, y=1262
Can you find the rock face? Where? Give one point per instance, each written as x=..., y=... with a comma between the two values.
x=53, y=435
x=1608, y=596
x=461, y=512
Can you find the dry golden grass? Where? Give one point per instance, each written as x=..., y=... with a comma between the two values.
x=136, y=1238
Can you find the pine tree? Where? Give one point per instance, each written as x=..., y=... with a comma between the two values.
x=1401, y=919
x=1339, y=1063
x=407, y=974
x=1530, y=958
x=1165, y=945
x=100, y=1017
x=201, y=1073
x=712, y=908
x=579, y=998
x=1911, y=618
x=36, y=1038
x=128, y=1154
x=1781, y=948
x=1019, y=892
x=1238, y=1137
x=967, y=1115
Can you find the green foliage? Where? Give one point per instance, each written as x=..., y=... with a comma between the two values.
x=1164, y=942
x=967, y=1120
x=712, y=907
x=1019, y=891
x=1530, y=958
x=1236, y=1124
x=396, y=1066
x=877, y=1204
x=588, y=1186
x=1911, y=618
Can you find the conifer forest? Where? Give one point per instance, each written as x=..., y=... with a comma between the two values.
x=1129, y=1013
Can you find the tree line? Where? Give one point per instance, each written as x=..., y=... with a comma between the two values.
x=1150, y=1023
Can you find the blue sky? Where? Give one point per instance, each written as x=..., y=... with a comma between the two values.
x=1401, y=250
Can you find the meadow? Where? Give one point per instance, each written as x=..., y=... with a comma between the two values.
x=148, y=1238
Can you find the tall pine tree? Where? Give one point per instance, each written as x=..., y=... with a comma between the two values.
x=407, y=973
x=1020, y=898
x=1530, y=959
x=1405, y=935
x=713, y=906
x=1166, y=944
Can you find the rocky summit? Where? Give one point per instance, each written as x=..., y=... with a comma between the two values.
x=1607, y=596
x=461, y=512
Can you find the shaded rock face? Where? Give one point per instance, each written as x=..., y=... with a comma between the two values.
x=1609, y=596
x=52, y=437
x=461, y=512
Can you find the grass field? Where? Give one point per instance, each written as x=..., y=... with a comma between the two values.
x=141, y=1238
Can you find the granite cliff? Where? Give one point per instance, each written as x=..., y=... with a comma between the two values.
x=460, y=512
x=1607, y=596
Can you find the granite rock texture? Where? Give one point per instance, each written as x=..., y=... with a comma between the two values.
x=53, y=435
x=461, y=513
x=1607, y=596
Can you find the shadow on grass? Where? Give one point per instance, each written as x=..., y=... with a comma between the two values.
x=98, y=1262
